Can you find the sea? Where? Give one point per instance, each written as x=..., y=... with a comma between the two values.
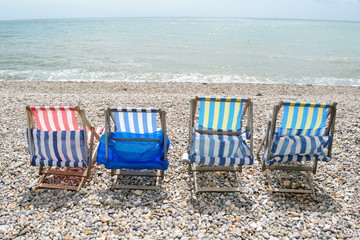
x=212, y=50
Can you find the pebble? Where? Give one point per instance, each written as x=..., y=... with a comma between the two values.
x=174, y=211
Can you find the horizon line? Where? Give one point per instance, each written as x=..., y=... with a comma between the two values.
x=153, y=17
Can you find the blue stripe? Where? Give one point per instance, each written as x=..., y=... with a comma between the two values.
x=304, y=117
x=222, y=161
x=153, y=118
x=238, y=119
x=284, y=147
x=73, y=150
x=46, y=141
x=221, y=115
x=82, y=144
x=302, y=144
x=231, y=115
x=222, y=145
x=314, y=118
x=211, y=146
x=144, y=118
x=285, y=117
x=295, y=117
x=212, y=161
x=211, y=115
x=117, y=121
x=201, y=113
x=202, y=145
x=232, y=145
x=136, y=122
x=126, y=122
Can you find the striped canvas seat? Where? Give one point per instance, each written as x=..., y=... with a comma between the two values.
x=299, y=148
x=58, y=138
x=220, y=150
x=133, y=123
x=221, y=114
x=135, y=146
x=211, y=145
x=58, y=148
x=302, y=134
x=59, y=118
x=135, y=120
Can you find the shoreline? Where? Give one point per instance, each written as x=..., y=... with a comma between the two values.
x=170, y=212
x=163, y=81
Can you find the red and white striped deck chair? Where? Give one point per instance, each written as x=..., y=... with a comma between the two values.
x=58, y=142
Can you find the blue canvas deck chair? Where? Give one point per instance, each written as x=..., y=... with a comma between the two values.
x=135, y=146
x=59, y=145
x=218, y=139
x=303, y=135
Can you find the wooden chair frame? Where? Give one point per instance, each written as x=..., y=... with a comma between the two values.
x=267, y=141
x=118, y=173
x=194, y=168
x=45, y=172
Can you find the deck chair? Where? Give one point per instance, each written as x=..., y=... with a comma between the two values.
x=304, y=135
x=135, y=146
x=218, y=141
x=60, y=146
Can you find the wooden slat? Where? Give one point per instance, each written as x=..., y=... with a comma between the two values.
x=140, y=173
x=58, y=186
x=218, y=189
x=290, y=168
x=139, y=187
x=284, y=190
x=64, y=173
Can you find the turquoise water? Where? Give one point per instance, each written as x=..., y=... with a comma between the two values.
x=181, y=49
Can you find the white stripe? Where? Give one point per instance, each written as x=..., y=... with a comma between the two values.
x=69, y=118
x=227, y=148
x=140, y=122
x=280, y=143
x=41, y=122
x=78, y=146
x=51, y=147
x=288, y=147
x=149, y=122
x=60, y=118
x=50, y=118
x=131, y=121
x=68, y=146
x=307, y=145
x=317, y=144
x=121, y=121
x=298, y=144
x=215, y=152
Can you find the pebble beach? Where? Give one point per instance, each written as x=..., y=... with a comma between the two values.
x=173, y=211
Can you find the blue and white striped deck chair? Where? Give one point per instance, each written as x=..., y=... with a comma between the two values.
x=136, y=146
x=58, y=144
x=218, y=140
x=305, y=134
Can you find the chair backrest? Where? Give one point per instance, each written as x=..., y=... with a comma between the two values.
x=55, y=118
x=299, y=116
x=220, y=113
x=134, y=120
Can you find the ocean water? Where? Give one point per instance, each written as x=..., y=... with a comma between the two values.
x=181, y=49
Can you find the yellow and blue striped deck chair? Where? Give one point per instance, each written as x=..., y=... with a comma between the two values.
x=304, y=135
x=218, y=141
